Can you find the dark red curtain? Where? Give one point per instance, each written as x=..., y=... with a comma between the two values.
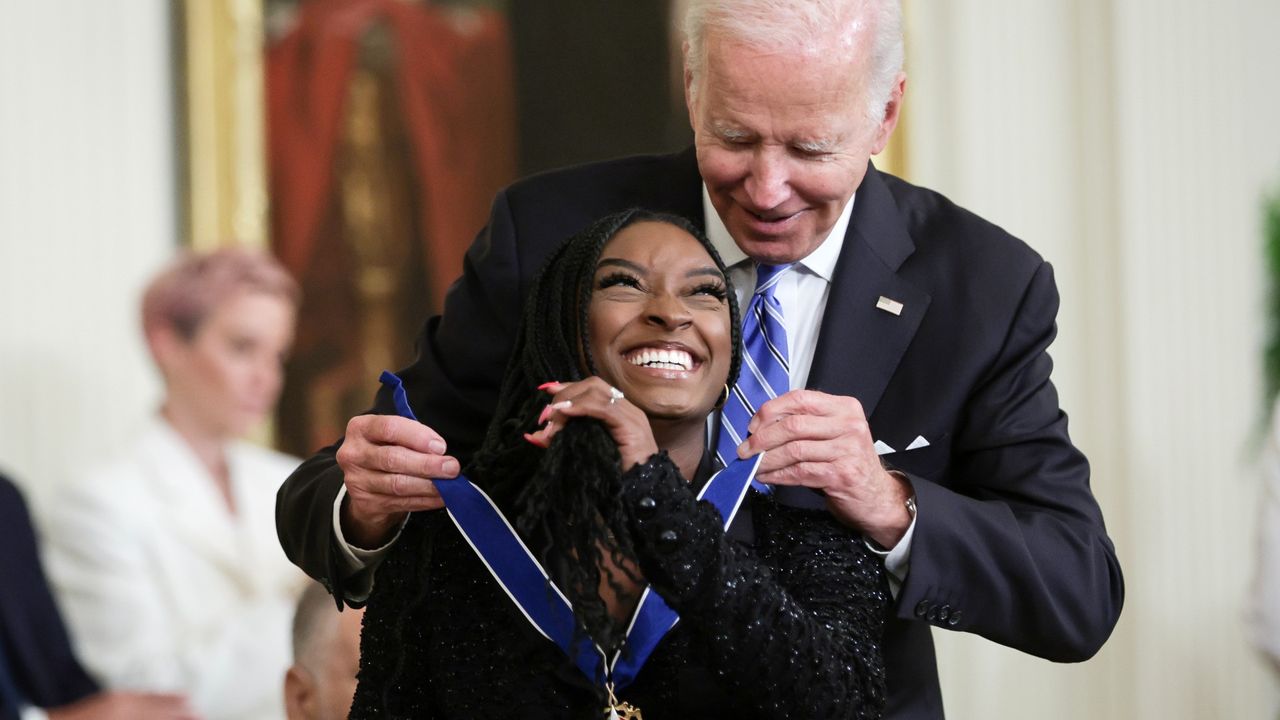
x=454, y=79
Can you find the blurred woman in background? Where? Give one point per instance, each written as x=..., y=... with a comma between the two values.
x=166, y=560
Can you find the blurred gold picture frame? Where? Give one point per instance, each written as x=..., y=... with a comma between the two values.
x=224, y=198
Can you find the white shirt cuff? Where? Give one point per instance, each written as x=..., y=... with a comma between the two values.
x=32, y=713
x=356, y=559
x=898, y=560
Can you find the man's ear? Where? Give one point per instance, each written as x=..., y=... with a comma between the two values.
x=892, y=113
x=300, y=696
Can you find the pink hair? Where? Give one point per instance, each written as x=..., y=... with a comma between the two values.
x=187, y=291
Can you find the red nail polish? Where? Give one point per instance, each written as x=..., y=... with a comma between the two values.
x=534, y=440
x=548, y=385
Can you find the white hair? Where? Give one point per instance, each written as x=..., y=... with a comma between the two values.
x=806, y=26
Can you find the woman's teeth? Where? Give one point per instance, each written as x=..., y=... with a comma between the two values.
x=665, y=359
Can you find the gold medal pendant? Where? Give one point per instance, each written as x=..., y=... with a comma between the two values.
x=619, y=710
x=624, y=711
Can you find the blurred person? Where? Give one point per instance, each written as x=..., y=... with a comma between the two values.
x=326, y=657
x=40, y=676
x=918, y=405
x=165, y=559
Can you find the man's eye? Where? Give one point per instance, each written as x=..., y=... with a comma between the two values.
x=811, y=153
x=735, y=139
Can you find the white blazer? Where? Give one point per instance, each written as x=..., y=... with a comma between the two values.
x=165, y=590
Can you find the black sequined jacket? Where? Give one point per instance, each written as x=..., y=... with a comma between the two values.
x=787, y=626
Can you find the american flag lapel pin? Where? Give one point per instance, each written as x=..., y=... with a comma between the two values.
x=889, y=305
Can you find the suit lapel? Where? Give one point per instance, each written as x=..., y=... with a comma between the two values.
x=860, y=344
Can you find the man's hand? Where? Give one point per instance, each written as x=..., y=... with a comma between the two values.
x=126, y=706
x=387, y=464
x=823, y=442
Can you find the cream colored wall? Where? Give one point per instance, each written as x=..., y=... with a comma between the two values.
x=87, y=211
x=1129, y=141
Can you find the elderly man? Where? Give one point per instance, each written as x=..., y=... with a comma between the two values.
x=326, y=657
x=921, y=410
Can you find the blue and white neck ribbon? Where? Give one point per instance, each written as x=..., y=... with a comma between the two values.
x=524, y=580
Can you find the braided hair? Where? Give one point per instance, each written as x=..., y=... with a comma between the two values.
x=563, y=500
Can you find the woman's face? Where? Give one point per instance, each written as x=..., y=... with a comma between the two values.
x=659, y=321
x=228, y=376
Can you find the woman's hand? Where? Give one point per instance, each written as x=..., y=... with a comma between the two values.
x=595, y=398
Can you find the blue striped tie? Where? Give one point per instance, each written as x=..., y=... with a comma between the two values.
x=766, y=366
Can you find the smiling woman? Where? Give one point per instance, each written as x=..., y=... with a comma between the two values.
x=597, y=455
x=659, y=321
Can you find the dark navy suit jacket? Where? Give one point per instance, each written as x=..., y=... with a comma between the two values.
x=35, y=643
x=1009, y=543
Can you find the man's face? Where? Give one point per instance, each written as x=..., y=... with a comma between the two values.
x=782, y=141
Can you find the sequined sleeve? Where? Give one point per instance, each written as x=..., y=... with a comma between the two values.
x=795, y=623
x=394, y=677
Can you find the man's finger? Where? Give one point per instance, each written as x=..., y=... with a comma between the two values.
x=788, y=403
x=395, y=506
x=382, y=488
x=803, y=402
x=800, y=451
x=358, y=460
x=798, y=427
x=407, y=486
x=393, y=460
x=816, y=475
x=391, y=494
x=436, y=466
x=395, y=430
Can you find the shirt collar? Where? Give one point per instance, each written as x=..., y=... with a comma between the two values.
x=820, y=262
